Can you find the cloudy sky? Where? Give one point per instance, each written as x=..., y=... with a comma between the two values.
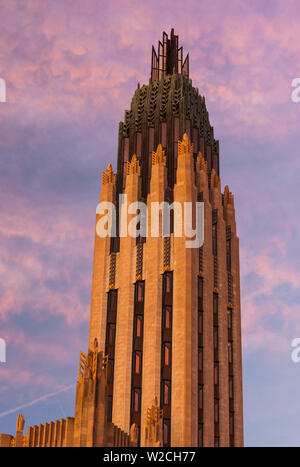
x=71, y=68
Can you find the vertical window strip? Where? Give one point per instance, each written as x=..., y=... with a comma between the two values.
x=200, y=361
x=166, y=355
x=137, y=354
x=112, y=301
x=230, y=336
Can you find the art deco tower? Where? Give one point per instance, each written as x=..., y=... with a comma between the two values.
x=168, y=317
x=164, y=362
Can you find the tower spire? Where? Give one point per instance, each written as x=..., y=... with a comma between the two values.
x=169, y=58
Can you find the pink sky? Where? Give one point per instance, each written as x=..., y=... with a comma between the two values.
x=71, y=69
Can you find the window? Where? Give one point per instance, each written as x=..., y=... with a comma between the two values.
x=216, y=373
x=200, y=287
x=109, y=408
x=167, y=313
x=228, y=255
x=215, y=303
x=110, y=370
x=137, y=362
x=216, y=442
x=214, y=240
x=230, y=387
x=166, y=432
x=200, y=435
x=216, y=333
x=231, y=423
x=112, y=300
x=216, y=410
x=166, y=392
x=229, y=318
x=167, y=354
x=136, y=400
x=139, y=287
x=200, y=322
x=138, y=326
x=230, y=352
x=111, y=334
x=200, y=293
x=167, y=283
x=200, y=359
x=200, y=396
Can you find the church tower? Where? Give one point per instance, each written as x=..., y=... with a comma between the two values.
x=164, y=359
x=167, y=317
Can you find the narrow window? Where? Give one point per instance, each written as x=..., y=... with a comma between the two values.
x=200, y=359
x=200, y=293
x=228, y=255
x=231, y=387
x=136, y=399
x=167, y=354
x=231, y=423
x=138, y=362
x=167, y=283
x=166, y=432
x=200, y=322
x=216, y=410
x=112, y=300
x=110, y=370
x=167, y=317
x=229, y=317
x=216, y=373
x=111, y=334
x=214, y=240
x=230, y=352
x=200, y=396
x=140, y=292
x=109, y=408
x=138, y=325
x=217, y=442
x=216, y=338
x=215, y=303
x=166, y=392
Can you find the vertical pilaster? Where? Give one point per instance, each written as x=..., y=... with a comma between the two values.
x=101, y=268
x=153, y=298
x=185, y=320
x=124, y=328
